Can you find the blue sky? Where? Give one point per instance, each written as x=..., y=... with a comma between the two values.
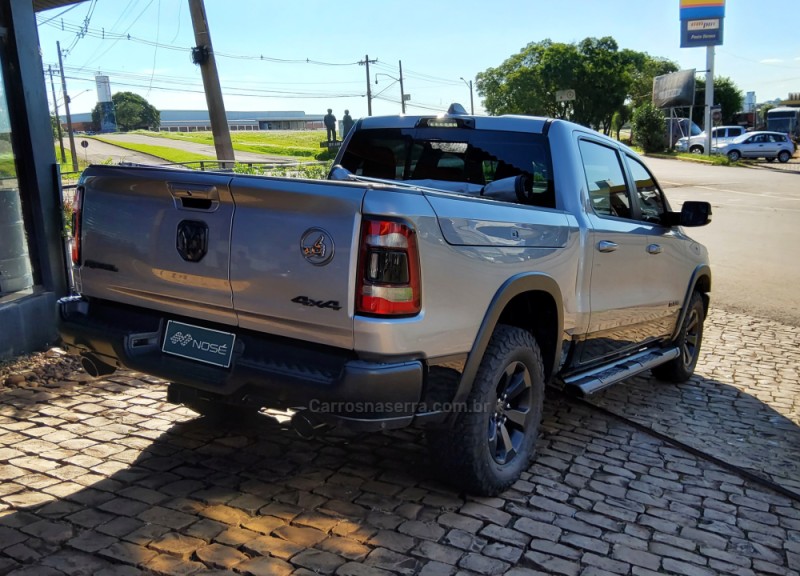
x=303, y=55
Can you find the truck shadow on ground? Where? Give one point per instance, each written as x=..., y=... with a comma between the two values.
x=104, y=473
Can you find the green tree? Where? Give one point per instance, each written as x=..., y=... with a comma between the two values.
x=132, y=112
x=516, y=86
x=602, y=84
x=726, y=94
x=648, y=128
x=620, y=118
x=54, y=126
x=761, y=116
x=603, y=77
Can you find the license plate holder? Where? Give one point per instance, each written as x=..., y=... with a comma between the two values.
x=197, y=343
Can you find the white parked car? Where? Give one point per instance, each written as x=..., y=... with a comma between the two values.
x=768, y=145
x=719, y=136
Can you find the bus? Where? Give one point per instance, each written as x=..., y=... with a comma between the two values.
x=784, y=119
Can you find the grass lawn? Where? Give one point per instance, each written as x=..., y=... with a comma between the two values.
x=302, y=144
x=167, y=153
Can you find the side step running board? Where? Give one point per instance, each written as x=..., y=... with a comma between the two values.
x=592, y=381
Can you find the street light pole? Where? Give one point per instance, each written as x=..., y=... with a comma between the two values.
x=471, y=103
x=402, y=94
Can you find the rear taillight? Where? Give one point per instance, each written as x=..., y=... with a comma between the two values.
x=388, y=270
x=76, y=226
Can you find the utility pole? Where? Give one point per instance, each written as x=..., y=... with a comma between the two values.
x=709, y=96
x=58, y=118
x=471, y=105
x=366, y=62
x=203, y=55
x=72, y=150
x=402, y=92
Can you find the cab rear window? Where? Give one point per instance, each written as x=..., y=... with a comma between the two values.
x=452, y=154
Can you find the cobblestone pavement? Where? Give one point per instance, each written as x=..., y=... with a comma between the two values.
x=743, y=404
x=102, y=477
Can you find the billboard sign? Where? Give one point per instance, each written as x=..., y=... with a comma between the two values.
x=674, y=90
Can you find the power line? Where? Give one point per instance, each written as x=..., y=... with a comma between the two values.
x=59, y=14
x=231, y=86
x=168, y=84
x=143, y=79
x=198, y=89
x=155, y=51
x=103, y=35
x=82, y=30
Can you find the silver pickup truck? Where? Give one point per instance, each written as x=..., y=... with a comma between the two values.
x=447, y=270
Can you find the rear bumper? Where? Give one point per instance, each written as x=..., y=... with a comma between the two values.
x=265, y=371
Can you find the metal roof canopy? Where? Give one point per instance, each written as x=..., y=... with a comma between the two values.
x=41, y=5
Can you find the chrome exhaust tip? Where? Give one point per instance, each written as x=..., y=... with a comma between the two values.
x=307, y=426
x=95, y=367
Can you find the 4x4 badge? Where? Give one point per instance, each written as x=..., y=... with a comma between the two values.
x=317, y=246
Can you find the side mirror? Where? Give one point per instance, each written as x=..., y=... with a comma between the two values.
x=695, y=213
x=339, y=172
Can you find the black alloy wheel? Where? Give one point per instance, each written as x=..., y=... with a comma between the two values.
x=512, y=410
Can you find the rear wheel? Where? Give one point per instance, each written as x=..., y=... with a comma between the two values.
x=493, y=439
x=784, y=156
x=688, y=342
x=696, y=149
x=734, y=155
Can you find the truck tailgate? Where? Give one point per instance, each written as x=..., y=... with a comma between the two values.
x=158, y=239
x=294, y=257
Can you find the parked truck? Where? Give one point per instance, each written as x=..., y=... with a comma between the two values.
x=447, y=270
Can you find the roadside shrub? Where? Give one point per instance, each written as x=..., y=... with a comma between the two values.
x=312, y=171
x=648, y=128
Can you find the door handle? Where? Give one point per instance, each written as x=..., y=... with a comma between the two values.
x=654, y=249
x=194, y=196
x=606, y=246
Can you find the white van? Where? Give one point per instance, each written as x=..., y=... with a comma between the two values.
x=719, y=136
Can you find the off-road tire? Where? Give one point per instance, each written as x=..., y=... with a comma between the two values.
x=784, y=156
x=734, y=155
x=689, y=340
x=493, y=439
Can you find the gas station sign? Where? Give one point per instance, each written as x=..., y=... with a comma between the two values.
x=702, y=22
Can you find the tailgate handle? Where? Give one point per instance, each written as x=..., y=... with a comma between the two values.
x=194, y=196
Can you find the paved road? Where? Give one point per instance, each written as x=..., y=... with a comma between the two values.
x=98, y=152
x=102, y=477
x=753, y=237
